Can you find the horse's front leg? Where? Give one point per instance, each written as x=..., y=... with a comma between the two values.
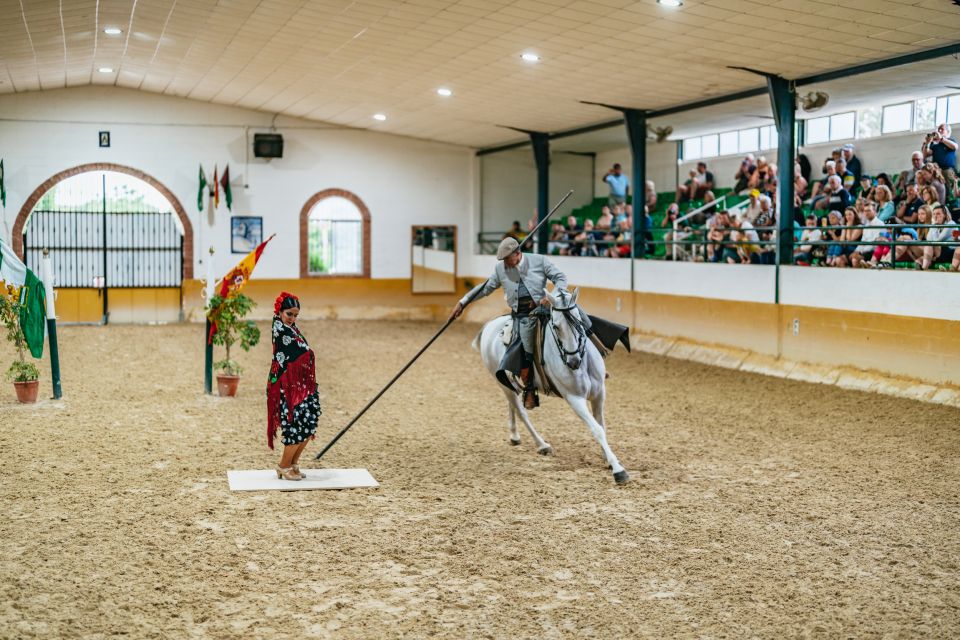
x=579, y=406
x=514, y=436
x=543, y=447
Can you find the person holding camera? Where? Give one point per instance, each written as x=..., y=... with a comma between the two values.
x=619, y=185
x=941, y=148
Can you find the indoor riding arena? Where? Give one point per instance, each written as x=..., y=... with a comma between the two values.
x=238, y=232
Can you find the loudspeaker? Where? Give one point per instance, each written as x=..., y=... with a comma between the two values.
x=268, y=145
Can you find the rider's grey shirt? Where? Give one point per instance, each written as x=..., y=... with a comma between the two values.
x=534, y=270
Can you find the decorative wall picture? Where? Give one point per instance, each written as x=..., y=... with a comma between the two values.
x=246, y=232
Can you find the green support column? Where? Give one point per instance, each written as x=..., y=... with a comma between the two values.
x=636, y=122
x=541, y=156
x=782, y=99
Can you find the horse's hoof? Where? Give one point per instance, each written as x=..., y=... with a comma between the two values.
x=546, y=451
x=514, y=443
x=621, y=477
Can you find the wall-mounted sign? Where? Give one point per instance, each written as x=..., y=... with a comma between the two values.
x=104, y=138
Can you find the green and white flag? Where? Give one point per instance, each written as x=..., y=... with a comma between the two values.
x=32, y=315
x=202, y=190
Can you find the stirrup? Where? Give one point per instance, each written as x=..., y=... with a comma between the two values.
x=531, y=397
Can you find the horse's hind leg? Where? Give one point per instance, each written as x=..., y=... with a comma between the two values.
x=579, y=406
x=516, y=408
x=514, y=436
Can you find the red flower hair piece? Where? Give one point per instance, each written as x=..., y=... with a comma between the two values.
x=279, y=301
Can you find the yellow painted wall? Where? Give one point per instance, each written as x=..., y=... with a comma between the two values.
x=126, y=306
x=921, y=348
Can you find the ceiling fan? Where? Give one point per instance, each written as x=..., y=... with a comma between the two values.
x=660, y=133
x=814, y=100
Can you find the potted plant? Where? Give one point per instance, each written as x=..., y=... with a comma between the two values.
x=231, y=328
x=23, y=374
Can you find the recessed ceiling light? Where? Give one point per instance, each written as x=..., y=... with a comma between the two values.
x=530, y=57
x=379, y=116
x=670, y=3
x=444, y=92
x=113, y=31
x=105, y=69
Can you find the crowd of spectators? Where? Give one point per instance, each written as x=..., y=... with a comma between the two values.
x=844, y=218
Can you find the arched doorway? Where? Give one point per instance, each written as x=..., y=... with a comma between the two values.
x=334, y=236
x=120, y=243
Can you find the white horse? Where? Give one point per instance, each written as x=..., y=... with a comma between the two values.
x=572, y=363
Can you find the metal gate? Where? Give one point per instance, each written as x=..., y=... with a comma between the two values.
x=115, y=243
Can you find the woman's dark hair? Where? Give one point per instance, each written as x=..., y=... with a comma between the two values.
x=289, y=303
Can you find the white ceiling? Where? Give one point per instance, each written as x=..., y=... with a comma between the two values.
x=341, y=61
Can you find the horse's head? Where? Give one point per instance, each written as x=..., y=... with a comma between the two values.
x=568, y=326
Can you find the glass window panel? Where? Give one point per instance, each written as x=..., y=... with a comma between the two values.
x=843, y=125
x=896, y=117
x=941, y=112
x=774, y=137
x=691, y=148
x=764, y=137
x=953, y=109
x=728, y=143
x=926, y=112
x=749, y=140
x=868, y=124
x=818, y=130
x=709, y=146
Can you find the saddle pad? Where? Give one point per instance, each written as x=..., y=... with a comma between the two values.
x=506, y=334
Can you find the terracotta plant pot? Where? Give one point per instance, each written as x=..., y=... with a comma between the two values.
x=227, y=385
x=27, y=391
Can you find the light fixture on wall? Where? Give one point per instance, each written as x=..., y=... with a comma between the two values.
x=113, y=31
x=446, y=93
x=670, y=3
x=530, y=57
x=105, y=69
x=379, y=116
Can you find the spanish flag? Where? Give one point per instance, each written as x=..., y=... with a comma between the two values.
x=235, y=280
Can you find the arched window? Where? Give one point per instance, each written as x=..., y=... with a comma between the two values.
x=335, y=235
x=106, y=226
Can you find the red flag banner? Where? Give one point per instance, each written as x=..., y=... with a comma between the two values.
x=216, y=188
x=236, y=279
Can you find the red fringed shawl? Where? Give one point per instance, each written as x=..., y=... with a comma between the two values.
x=293, y=372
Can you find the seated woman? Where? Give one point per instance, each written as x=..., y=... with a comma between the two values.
x=884, y=199
x=939, y=253
x=908, y=252
x=833, y=219
x=849, y=237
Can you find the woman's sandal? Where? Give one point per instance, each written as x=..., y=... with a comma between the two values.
x=288, y=473
x=296, y=468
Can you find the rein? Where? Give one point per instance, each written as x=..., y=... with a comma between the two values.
x=577, y=329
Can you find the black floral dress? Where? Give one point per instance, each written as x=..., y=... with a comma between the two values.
x=293, y=404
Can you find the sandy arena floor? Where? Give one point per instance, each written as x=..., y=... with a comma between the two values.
x=759, y=507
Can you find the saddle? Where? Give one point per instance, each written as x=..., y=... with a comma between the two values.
x=514, y=359
x=603, y=334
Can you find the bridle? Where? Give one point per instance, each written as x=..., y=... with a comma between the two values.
x=578, y=329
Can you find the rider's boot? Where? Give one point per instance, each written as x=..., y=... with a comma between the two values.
x=530, y=399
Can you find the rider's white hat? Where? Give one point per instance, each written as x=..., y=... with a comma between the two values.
x=507, y=246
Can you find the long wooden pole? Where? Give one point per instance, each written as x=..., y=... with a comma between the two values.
x=424, y=347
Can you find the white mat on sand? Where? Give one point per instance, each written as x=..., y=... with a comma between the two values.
x=266, y=480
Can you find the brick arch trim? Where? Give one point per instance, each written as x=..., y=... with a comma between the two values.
x=21, y=221
x=304, y=233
